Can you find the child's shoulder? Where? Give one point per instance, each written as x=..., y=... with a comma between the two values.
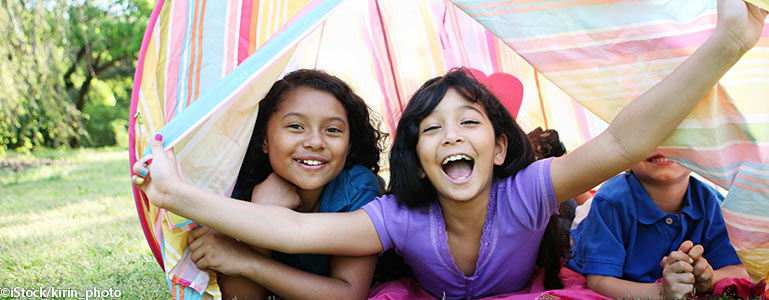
x=359, y=176
x=615, y=191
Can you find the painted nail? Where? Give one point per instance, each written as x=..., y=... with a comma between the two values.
x=158, y=137
x=143, y=172
x=140, y=180
x=149, y=161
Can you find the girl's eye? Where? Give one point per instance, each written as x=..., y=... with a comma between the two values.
x=295, y=126
x=469, y=122
x=334, y=130
x=431, y=127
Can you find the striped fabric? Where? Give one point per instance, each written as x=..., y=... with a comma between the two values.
x=606, y=53
x=204, y=65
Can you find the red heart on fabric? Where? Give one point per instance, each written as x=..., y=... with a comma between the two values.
x=507, y=88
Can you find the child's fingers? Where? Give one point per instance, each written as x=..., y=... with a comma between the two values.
x=677, y=256
x=681, y=267
x=197, y=232
x=140, y=169
x=663, y=261
x=700, y=267
x=137, y=181
x=156, y=145
x=684, y=278
x=696, y=252
x=686, y=246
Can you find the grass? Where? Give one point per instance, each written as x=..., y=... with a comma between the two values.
x=70, y=223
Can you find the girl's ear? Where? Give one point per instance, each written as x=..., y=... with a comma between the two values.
x=264, y=146
x=421, y=173
x=500, y=150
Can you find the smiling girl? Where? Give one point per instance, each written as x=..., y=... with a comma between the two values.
x=467, y=204
x=313, y=149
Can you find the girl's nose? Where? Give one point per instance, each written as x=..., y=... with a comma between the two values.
x=452, y=136
x=313, y=140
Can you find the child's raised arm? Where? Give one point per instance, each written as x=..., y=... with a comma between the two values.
x=637, y=130
x=266, y=226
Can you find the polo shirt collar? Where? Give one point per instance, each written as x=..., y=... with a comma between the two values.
x=649, y=213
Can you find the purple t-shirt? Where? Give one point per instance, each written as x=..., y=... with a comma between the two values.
x=519, y=209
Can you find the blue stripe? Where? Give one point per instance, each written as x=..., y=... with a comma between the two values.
x=575, y=18
x=214, y=33
x=747, y=202
x=184, y=62
x=227, y=86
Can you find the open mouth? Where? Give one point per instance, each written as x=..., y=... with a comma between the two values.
x=310, y=162
x=659, y=159
x=458, y=167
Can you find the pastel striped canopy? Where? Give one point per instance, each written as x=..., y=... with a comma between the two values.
x=204, y=65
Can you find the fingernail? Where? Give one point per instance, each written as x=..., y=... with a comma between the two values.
x=149, y=161
x=143, y=172
x=158, y=137
x=140, y=180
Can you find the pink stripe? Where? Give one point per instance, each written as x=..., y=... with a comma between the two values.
x=608, y=54
x=230, y=54
x=493, y=53
x=579, y=37
x=176, y=42
x=382, y=78
x=132, y=129
x=245, y=27
x=582, y=121
x=747, y=235
x=746, y=221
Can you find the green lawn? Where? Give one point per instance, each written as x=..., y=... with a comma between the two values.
x=70, y=223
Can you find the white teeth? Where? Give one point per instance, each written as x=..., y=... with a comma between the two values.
x=455, y=158
x=660, y=160
x=311, y=162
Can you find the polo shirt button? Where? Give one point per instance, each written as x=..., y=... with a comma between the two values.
x=669, y=221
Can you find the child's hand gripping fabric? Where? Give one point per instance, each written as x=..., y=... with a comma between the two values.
x=211, y=250
x=677, y=273
x=165, y=174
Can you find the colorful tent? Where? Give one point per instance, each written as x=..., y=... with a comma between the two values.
x=204, y=65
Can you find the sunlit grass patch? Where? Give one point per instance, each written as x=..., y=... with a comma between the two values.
x=71, y=224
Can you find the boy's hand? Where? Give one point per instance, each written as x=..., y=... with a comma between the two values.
x=703, y=272
x=276, y=191
x=211, y=250
x=742, y=22
x=677, y=275
x=163, y=168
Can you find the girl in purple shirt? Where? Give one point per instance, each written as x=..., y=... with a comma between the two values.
x=466, y=205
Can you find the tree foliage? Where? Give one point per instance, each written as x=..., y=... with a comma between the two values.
x=66, y=70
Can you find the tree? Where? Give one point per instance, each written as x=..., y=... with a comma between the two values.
x=56, y=52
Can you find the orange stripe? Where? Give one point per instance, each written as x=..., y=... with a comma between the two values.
x=252, y=31
x=192, y=54
x=543, y=7
x=200, y=52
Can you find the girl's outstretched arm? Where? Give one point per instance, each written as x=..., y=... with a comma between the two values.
x=247, y=271
x=637, y=130
x=265, y=226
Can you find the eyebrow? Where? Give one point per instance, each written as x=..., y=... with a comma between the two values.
x=468, y=106
x=299, y=115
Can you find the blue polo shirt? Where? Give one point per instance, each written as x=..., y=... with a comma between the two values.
x=349, y=191
x=626, y=234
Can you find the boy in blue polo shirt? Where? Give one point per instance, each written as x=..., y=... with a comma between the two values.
x=654, y=222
